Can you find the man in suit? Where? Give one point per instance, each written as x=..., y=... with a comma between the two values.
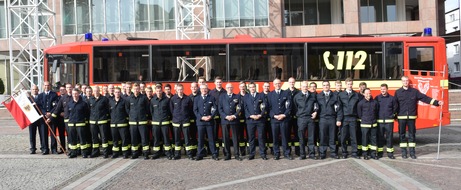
x=279, y=103
x=37, y=125
x=205, y=109
x=47, y=102
x=230, y=108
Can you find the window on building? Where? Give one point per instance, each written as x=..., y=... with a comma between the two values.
x=452, y=17
x=3, y=19
x=113, y=16
x=239, y=13
x=456, y=47
x=457, y=68
x=388, y=10
x=313, y=12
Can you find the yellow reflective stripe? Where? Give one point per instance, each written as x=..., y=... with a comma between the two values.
x=385, y=121
x=189, y=147
x=407, y=117
x=289, y=143
x=177, y=148
x=271, y=144
x=193, y=147
x=161, y=123
x=369, y=125
x=145, y=148
x=192, y=121
x=242, y=121
x=134, y=147
x=85, y=146
x=359, y=146
x=156, y=148
x=216, y=117
x=119, y=125
x=373, y=147
x=317, y=144
x=125, y=148
x=242, y=144
x=380, y=149
x=78, y=145
x=178, y=124
x=73, y=147
x=364, y=148
x=412, y=145
x=167, y=147
x=115, y=149
x=105, y=145
x=53, y=115
x=66, y=120
x=296, y=143
x=403, y=145
x=77, y=124
x=110, y=142
x=389, y=149
x=95, y=145
x=248, y=144
x=432, y=101
x=138, y=123
x=98, y=122
x=217, y=145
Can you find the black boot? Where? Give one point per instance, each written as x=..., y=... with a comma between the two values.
x=404, y=153
x=95, y=153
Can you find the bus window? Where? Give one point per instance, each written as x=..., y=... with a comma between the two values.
x=69, y=68
x=421, y=59
x=337, y=61
x=265, y=62
x=188, y=62
x=394, y=60
x=121, y=63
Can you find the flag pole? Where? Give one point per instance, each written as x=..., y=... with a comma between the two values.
x=440, y=115
x=49, y=127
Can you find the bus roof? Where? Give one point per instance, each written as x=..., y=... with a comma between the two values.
x=243, y=40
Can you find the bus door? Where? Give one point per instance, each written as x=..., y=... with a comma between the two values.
x=70, y=68
x=421, y=69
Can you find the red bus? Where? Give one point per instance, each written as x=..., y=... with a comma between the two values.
x=374, y=60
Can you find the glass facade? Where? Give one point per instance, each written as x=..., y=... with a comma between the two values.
x=2, y=19
x=239, y=13
x=388, y=10
x=313, y=12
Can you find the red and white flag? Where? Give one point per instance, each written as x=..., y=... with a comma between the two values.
x=22, y=110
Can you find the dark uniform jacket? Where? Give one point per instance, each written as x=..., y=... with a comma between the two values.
x=330, y=109
x=139, y=108
x=62, y=106
x=407, y=102
x=230, y=106
x=279, y=104
x=387, y=108
x=217, y=94
x=349, y=105
x=304, y=105
x=241, y=116
x=255, y=106
x=119, y=111
x=192, y=98
x=205, y=107
x=367, y=111
x=293, y=93
x=99, y=109
x=181, y=109
x=47, y=103
x=78, y=111
x=160, y=109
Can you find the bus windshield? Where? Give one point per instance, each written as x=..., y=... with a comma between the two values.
x=67, y=68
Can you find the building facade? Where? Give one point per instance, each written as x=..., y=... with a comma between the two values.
x=118, y=19
x=452, y=21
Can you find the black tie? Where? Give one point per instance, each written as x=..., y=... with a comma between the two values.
x=230, y=95
x=327, y=96
x=278, y=92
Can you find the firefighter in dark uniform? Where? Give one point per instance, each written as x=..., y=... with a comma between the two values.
x=230, y=108
x=330, y=114
x=58, y=126
x=255, y=105
x=367, y=111
x=305, y=106
x=47, y=102
x=348, y=100
x=78, y=111
x=386, y=114
x=279, y=103
x=242, y=123
x=181, y=106
x=161, y=121
x=205, y=109
x=99, y=124
x=193, y=125
x=293, y=125
x=119, y=109
x=138, y=123
x=360, y=92
x=269, y=138
x=216, y=93
x=61, y=110
x=407, y=100
x=313, y=89
x=338, y=89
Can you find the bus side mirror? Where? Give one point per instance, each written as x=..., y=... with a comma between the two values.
x=55, y=66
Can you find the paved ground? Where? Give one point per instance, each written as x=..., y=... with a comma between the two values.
x=19, y=170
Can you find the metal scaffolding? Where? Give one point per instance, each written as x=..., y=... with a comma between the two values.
x=193, y=22
x=32, y=28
